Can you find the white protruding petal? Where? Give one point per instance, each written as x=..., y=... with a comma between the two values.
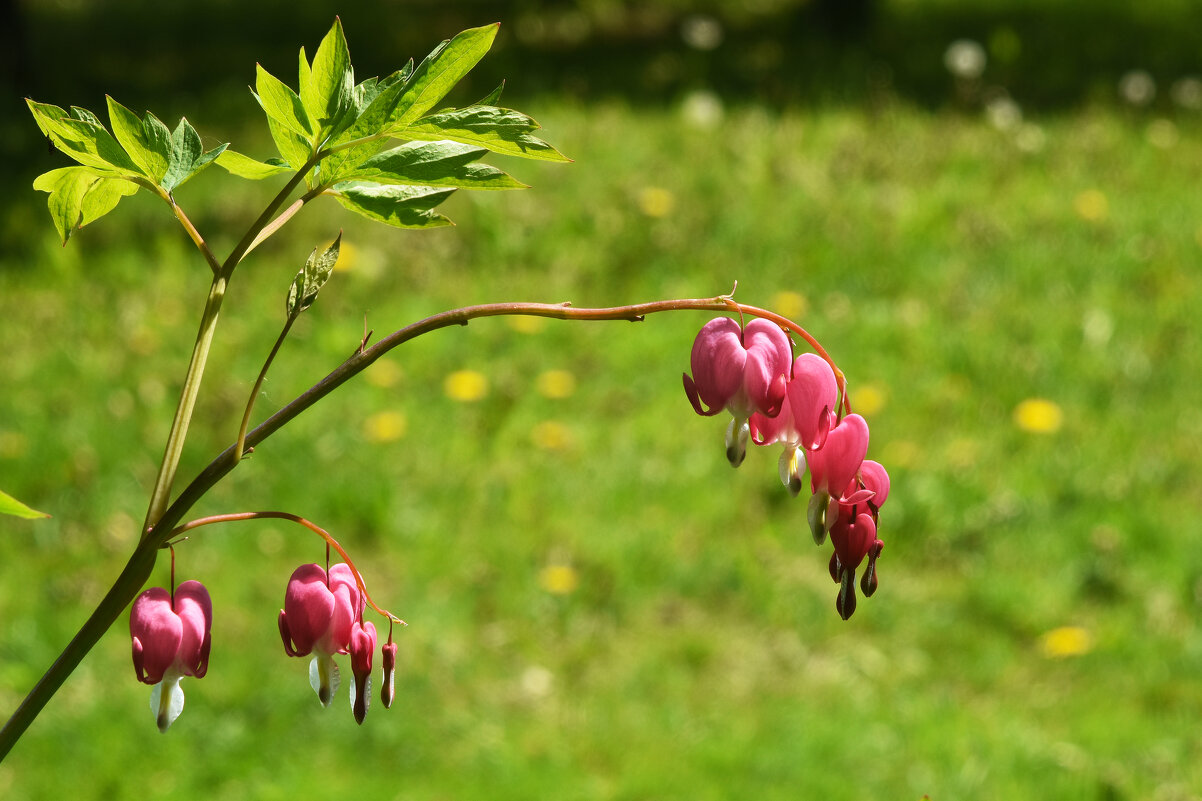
x=737, y=434
x=791, y=466
x=323, y=677
x=166, y=702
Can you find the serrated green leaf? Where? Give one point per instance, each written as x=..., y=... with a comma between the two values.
x=79, y=196
x=433, y=164
x=292, y=148
x=188, y=156
x=245, y=167
x=439, y=72
x=83, y=114
x=11, y=506
x=500, y=130
x=375, y=116
x=282, y=104
x=399, y=206
x=312, y=277
x=87, y=142
x=147, y=141
x=327, y=91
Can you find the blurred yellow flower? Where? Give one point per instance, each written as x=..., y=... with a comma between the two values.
x=1066, y=641
x=556, y=384
x=348, y=255
x=551, y=436
x=1039, y=416
x=384, y=373
x=526, y=325
x=13, y=444
x=558, y=579
x=867, y=400
x=385, y=426
x=1091, y=205
x=790, y=304
x=657, y=202
x=466, y=386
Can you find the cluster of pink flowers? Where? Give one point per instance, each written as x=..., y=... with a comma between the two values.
x=322, y=615
x=749, y=371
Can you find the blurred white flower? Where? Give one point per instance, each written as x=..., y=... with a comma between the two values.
x=702, y=109
x=701, y=32
x=1137, y=88
x=965, y=58
x=1030, y=138
x=1003, y=113
x=1187, y=92
x=1162, y=133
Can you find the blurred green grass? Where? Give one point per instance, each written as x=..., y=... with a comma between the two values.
x=952, y=273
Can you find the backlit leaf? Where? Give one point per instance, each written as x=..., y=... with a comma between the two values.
x=188, y=156
x=282, y=104
x=500, y=130
x=245, y=167
x=399, y=206
x=439, y=72
x=11, y=506
x=434, y=164
x=84, y=140
x=326, y=91
x=79, y=196
x=147, y=141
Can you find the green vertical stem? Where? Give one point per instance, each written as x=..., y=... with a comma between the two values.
x=161, y=495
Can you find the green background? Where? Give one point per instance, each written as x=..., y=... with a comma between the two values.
x=955, y=265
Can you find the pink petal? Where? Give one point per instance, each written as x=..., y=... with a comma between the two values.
x=717, y=361
x=308, y=607
x=853, y=539
x=195, y=610
x=835, y=464
x=348, y=606
x=813, y=393
x=766, y=372
x=157, y=632
x=876, y=479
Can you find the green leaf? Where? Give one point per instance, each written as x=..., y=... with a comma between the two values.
x=439, y=72
x=312, y=278
x=188, y=156
x=292, y=147
x=399, y=206
x=79, y=196
x=433, y=164
x=327, y=88
x=282, y=104
x=85, y=140
x=245, y=167
x=147, y=141
x=11, y=506
x=500, y=130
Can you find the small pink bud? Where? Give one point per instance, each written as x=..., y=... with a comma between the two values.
x=388, y=685
x=362, y=647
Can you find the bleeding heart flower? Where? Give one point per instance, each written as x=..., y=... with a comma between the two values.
x=806, y=416
x=319, y=612
x=741, y=370
x=171, y=639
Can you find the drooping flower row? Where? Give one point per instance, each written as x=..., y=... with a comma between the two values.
x=749, y=371
x=322, y=616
